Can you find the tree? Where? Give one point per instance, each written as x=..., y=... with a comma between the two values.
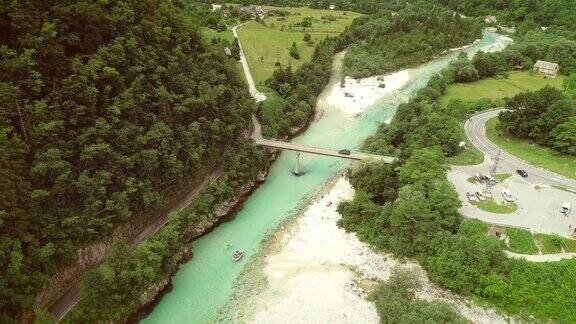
x=564, y=136
x=485, y=64
x=569, y=85
x=396, y=302
x=294, y=51
x=423, y=167
x=307, y=38
x=377, y=179
x=463, y=70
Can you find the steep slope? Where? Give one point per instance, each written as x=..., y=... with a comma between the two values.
x=108, y=108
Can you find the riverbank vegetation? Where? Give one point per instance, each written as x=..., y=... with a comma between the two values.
x=396, y=302
x=390, y=40
x=115, y=290
x=267, y=42
x=418, y=216
x=111, y=109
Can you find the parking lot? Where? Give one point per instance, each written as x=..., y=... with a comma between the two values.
x=538, y=205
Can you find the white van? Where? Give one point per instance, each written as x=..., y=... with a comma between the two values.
x=507, y=195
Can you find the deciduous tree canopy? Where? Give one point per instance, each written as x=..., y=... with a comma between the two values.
x=108, y=109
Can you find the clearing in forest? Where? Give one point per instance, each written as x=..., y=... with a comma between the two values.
x=269, y=42
x=497, y=88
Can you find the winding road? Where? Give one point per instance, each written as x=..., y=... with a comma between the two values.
x=475, y=128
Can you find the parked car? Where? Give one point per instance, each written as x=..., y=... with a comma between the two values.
x=344, y=151
x=522, y=173
x=480, y=196
x=507, y=195
x=565, y=208
x=471, y=196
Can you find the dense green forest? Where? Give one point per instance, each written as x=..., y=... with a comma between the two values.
x=110, y=109
x=542, y=12
x=298, y=91
x=390, y=40
x=546, y=116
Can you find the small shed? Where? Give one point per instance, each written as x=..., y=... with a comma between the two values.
x=518, y=67
x=549, y=69
x=227, y=51
x=332, y=7
x=216, y=7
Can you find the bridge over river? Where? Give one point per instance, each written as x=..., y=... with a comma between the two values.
x=257, y=137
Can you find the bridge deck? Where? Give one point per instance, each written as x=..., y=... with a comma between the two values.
x=257, y=137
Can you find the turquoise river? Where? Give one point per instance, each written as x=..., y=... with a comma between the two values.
x=204, y=284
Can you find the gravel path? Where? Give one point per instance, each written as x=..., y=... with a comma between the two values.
x=257, y=95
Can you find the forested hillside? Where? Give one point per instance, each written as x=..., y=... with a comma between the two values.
x=543, y=12
x=108, y=109
x=390, y=40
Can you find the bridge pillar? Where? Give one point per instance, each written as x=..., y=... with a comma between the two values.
x=297, y=170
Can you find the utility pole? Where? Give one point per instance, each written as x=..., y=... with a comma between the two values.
x=493, y=169
x=494, y=166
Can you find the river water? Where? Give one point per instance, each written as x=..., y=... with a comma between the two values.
x=204, y=284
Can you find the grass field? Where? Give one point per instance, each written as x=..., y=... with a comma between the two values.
x=265, y=44
x=497, y=88
x=521, y=241
x=492, y=206
x=469, y=155
x=534, y=154
x=503, y=176
x=208, y=34
x=551, y=244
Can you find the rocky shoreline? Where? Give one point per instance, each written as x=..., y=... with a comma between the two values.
x=222, y=213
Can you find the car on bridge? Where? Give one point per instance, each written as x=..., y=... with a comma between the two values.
x=344, y=151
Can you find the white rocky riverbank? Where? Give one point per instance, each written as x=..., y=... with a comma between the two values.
x=353, y=96
x=317, y=271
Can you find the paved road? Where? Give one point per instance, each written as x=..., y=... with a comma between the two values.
x=259, y=140
x=257, y=95
x=61, y=307
x=541, y=257
x=538, y=208
x=475, y=128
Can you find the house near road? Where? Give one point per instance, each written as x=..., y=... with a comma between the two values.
x=549, y=69
x=257, y=11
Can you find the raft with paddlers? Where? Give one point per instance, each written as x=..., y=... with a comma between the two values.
x=238, y=254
